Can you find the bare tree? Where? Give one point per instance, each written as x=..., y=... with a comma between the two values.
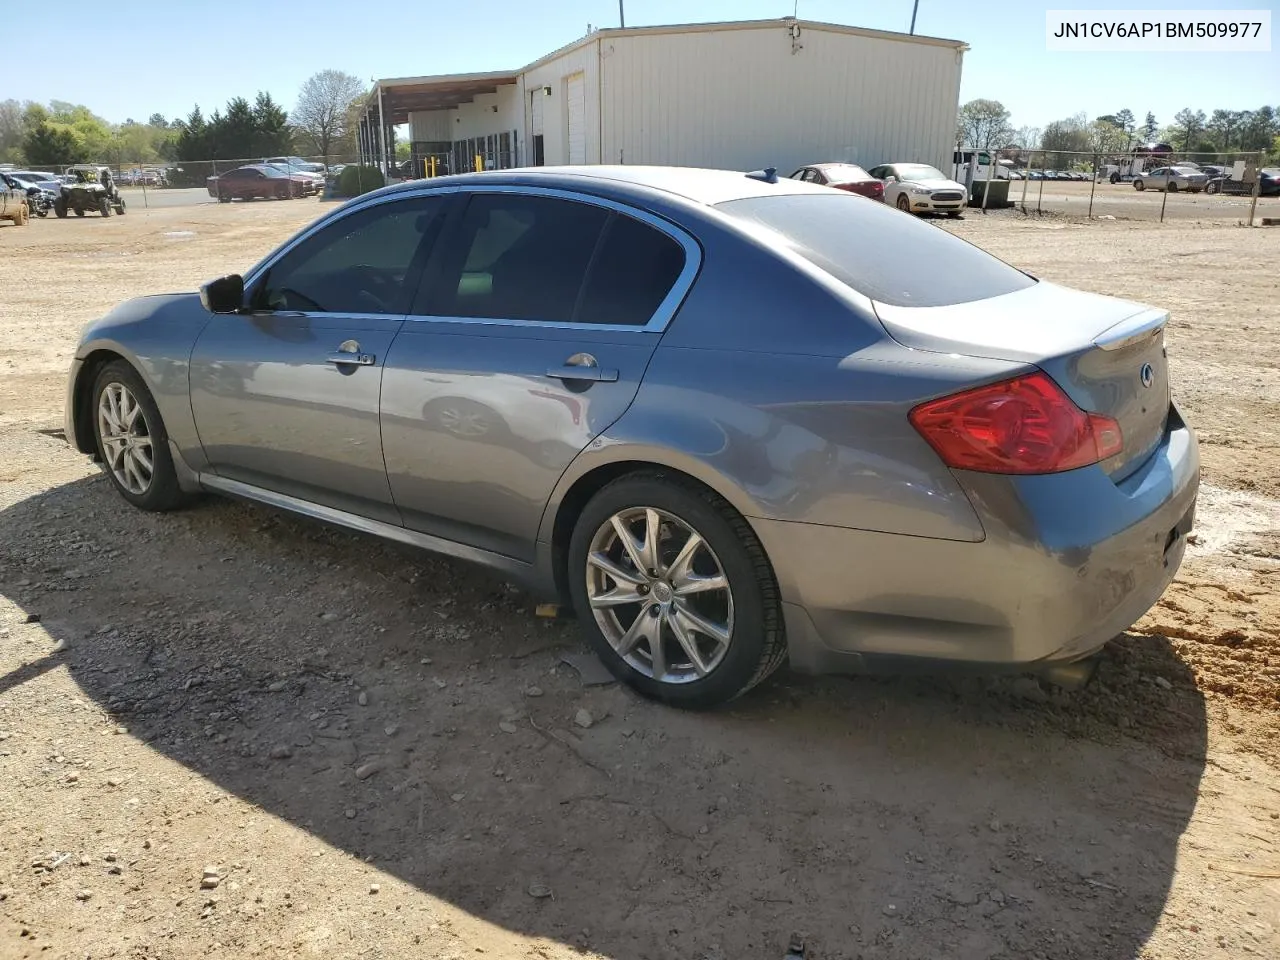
x=983, y=124
x=323, y=112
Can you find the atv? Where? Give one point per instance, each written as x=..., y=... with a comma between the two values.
x=93, y=189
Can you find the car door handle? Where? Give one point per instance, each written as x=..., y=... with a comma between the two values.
x=589, y=374
x=352, y=359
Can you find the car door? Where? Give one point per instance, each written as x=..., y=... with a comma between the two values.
x=285, y=395
x=529, y=338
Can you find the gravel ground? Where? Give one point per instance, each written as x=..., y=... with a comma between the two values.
x=229, y=732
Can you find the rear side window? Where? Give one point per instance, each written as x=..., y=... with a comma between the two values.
x=518, y=258
x=551, y=260
x=632, y=273
x=882, y=253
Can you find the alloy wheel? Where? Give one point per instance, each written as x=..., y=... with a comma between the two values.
x=126, y=438
x=660, y=595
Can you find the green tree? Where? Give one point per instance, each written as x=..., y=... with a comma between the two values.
x=50, y=145
x=271, y=126
x=1063, y=138
x=1149, y=127
x=1125, y=120
x=1187, y=126
x=11, y=131
x=1224, y=127
x=157, y=120
x=1107, y=136
x=983, y=125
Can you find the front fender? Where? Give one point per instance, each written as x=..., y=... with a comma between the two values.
x=155, y=335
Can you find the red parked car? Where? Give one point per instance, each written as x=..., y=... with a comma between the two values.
x=842, y=176
x=258, y=180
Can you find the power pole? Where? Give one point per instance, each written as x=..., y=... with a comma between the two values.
x=622, y=16
x=914, y=7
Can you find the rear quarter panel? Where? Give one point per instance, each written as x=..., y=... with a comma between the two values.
x=778, y=388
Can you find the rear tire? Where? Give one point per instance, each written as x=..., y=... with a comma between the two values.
x=746, y=606
x=60, y=208
x=1172, y=187
x=1115, y=178
x=954, y=214
x=104, y=207
x=146, y=433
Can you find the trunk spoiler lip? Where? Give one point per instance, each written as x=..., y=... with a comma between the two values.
x=1141, y=326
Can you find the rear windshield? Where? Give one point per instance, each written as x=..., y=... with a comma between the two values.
x=845, y=173
x=881, y=252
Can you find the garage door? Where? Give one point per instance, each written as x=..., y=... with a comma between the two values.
x=576, y=117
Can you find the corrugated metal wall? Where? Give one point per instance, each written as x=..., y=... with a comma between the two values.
x=742, y=99
x=555, y=119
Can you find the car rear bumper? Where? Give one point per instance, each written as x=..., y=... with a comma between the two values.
x=1070, y=561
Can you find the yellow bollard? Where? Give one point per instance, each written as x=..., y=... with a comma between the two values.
x=479, y=163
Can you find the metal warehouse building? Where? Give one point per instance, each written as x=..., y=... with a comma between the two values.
x=740, y=96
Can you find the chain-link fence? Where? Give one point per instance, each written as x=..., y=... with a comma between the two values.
x=1226, y=187
x=179, y=182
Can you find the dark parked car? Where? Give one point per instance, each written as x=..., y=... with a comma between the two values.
x=842, y=176
x=1268, y=185
x=728, y=419
x=258, y=180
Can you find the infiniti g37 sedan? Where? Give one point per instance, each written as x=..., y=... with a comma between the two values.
x=728, y=419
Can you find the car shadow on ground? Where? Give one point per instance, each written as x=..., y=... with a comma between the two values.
x=283, y=661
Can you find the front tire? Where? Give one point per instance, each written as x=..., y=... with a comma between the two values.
x=675, y=592
x=104, y=207
x=904, y=203
x=131, y=439
x=1172, y=187
x=60, y=208
x=1139, y=185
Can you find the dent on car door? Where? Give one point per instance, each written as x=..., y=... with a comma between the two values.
x=285, y=395
x=529, y=339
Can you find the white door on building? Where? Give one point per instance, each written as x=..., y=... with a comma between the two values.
x=537, y=142
x=576, y=117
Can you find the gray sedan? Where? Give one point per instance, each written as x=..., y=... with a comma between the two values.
x=726, y=418
x=1172, y=179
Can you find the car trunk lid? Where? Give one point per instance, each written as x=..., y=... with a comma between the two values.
x=1108, y=355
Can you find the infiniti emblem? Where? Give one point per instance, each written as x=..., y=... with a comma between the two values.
x=1147, y=374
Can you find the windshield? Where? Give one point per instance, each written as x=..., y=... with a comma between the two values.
x=918, y=171
x=874, y=249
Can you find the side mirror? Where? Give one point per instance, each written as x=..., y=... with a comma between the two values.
x=224, y=295
x=890, y=178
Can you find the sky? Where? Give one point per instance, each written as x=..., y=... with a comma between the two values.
x=182, y=52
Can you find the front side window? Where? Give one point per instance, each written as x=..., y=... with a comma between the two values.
x=366, y=262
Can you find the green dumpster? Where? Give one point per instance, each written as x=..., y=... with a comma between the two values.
x=999, y=193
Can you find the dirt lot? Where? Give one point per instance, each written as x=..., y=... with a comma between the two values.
x=212, y=689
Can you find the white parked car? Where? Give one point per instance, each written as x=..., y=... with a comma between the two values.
x=1172, y=179
x=920, y=188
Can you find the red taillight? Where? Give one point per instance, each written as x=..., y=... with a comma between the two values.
x=1025, y=425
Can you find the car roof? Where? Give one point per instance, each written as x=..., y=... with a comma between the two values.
x=696, y=184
